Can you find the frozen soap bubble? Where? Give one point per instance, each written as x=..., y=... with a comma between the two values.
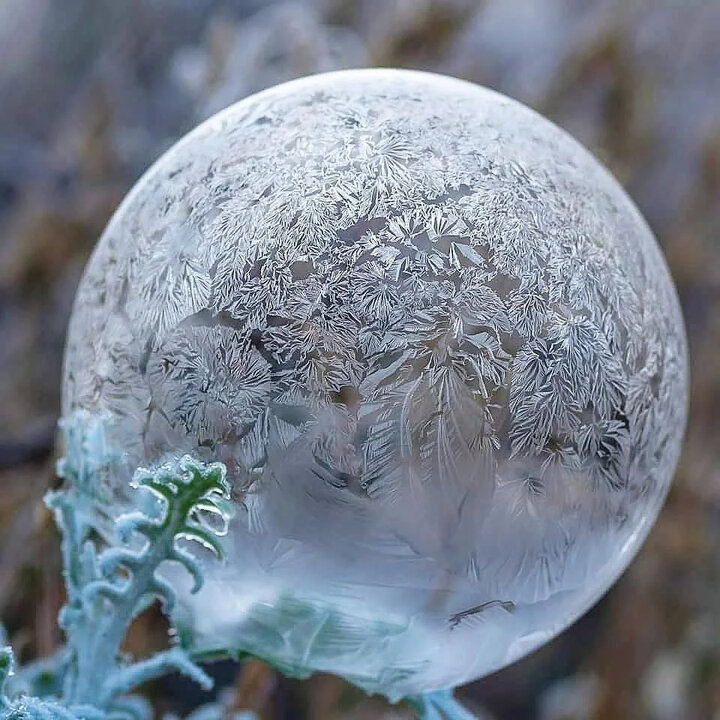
x=436, y=346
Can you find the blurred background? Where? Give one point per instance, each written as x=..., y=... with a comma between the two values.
x=92, y=91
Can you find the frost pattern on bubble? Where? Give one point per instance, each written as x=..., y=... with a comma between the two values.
x=436, y=346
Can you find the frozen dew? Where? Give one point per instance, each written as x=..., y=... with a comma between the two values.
x=435, y=345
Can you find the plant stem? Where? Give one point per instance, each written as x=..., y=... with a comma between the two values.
x=439, y=705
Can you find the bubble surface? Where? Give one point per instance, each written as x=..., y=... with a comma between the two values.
x=436, y=346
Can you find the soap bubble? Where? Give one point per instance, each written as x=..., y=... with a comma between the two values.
x=436, y=346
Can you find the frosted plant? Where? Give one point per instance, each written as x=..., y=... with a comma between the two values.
x=107, y=588
x=435, y=346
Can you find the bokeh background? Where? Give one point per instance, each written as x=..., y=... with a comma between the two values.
x=92, y=91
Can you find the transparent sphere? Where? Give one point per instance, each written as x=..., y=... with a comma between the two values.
x=436, y=346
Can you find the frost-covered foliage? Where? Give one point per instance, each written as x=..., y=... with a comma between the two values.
x=437, y=348
x=187, y=505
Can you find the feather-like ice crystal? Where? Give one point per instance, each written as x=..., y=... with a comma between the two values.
x=435, y=345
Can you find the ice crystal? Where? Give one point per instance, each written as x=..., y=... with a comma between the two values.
x=434, y=343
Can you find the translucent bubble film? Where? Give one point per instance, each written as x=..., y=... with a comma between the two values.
x=435, y=345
